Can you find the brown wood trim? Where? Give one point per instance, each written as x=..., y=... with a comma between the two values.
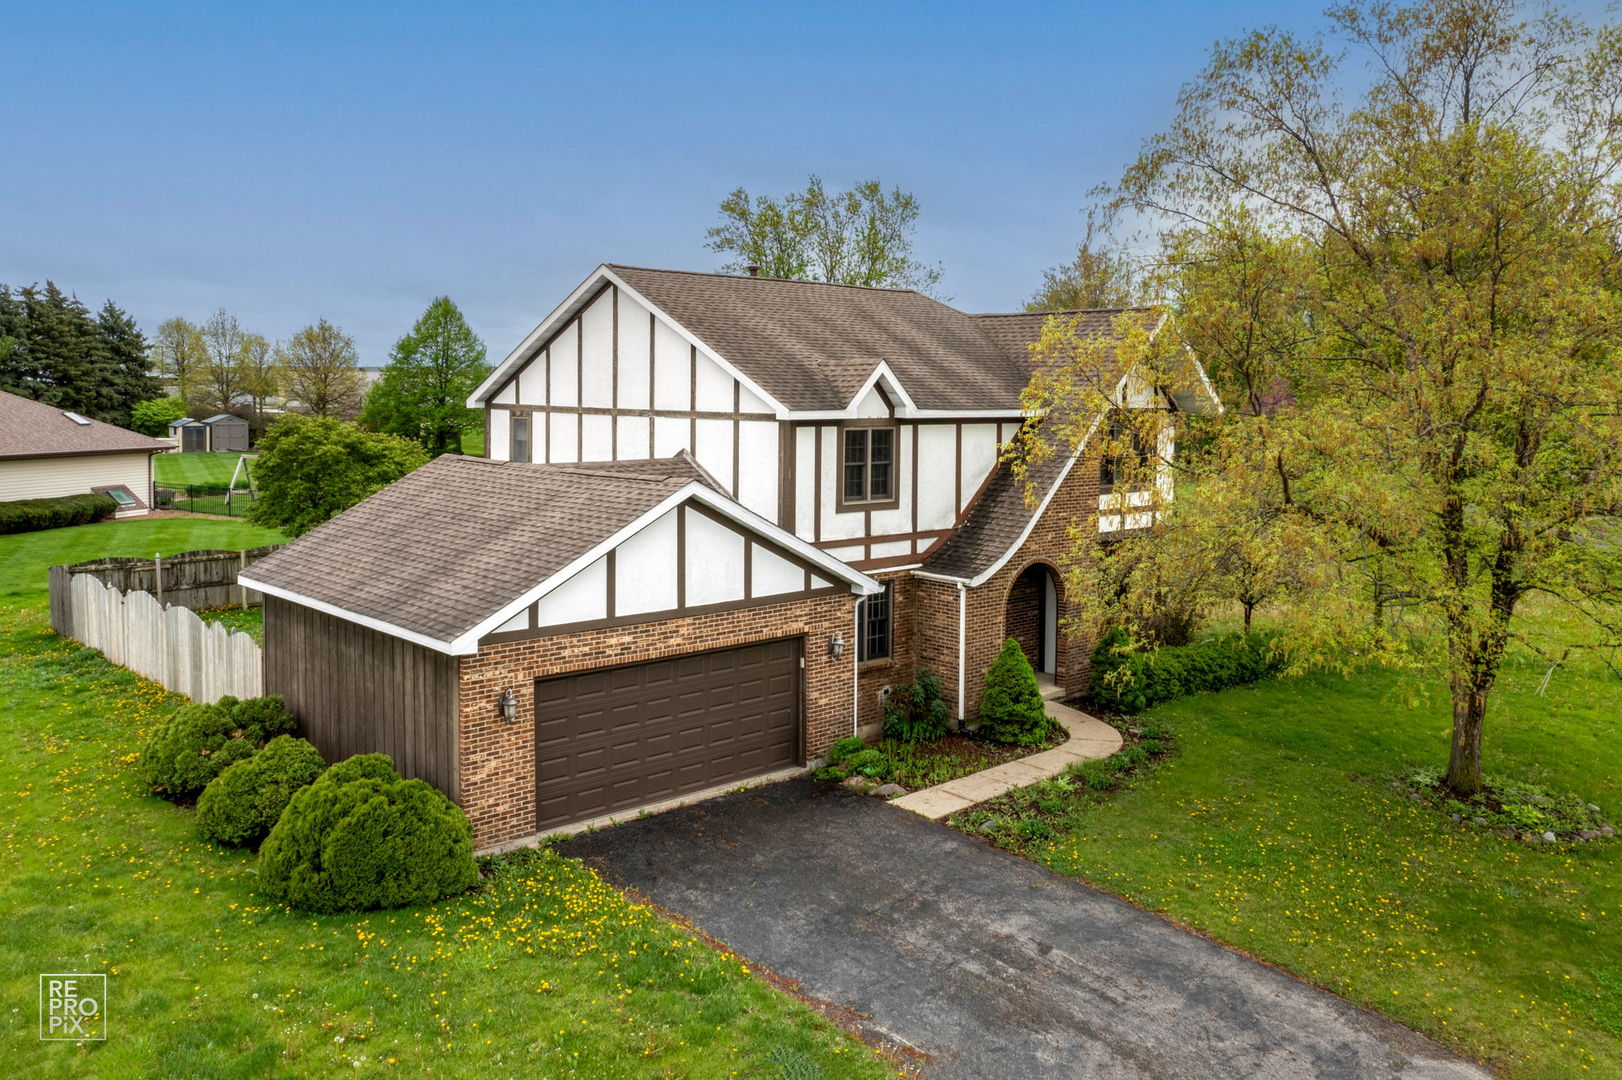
x=678, y=414
x=737, y=403
x=487, y=433
x=914, y=477
x=561, y=629
x=888, y=562
x=886, y=538
x=609, y=578
x=957, y=484
x=681, y=556
x=788, y=442
x=841, y=504
x=692, y=400
x=816, y=478
x=546, y=346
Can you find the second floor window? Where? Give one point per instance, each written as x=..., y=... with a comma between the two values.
x=867, y=465
x=520, y=439
x=1127, y=451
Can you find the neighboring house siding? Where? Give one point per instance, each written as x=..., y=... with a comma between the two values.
x=48, y=477
x=616, y=382
x=355, y=690
x=497, y=759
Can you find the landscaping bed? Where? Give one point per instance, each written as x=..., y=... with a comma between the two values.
x=913, y=766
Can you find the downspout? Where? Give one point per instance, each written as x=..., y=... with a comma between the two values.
x=855, y=669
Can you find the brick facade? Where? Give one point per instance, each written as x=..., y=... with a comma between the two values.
x=496, y=760
x=874, y=675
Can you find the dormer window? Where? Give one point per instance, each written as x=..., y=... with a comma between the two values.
x=867, y=467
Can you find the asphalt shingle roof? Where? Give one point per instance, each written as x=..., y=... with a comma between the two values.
x=994, y=523
x=31, y=428
x=447, y=546
x=812, y=345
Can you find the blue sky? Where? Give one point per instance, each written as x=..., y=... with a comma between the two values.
x=297, y=161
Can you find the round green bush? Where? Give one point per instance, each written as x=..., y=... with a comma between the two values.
x=196, y=743
x=1011, y=707
x=240, y=805
x=361, y=838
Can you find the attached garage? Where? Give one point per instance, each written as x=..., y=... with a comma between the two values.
x=617, y=636
x=613, y=739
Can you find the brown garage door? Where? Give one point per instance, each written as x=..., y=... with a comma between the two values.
x=618, y=738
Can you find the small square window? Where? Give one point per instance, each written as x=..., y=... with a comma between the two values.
x=520, y=438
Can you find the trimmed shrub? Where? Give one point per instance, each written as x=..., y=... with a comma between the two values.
x=1130, y=682
x=844, y=748
x=239, y=806
x=1011, y=709
x=31, y=515
x=915, y=712
x=197, y=743
x=361, y=838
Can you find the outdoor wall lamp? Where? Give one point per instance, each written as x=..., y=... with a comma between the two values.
x=836, y=646
x=508, y=704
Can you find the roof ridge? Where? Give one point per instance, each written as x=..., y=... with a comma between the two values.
x=754, y=277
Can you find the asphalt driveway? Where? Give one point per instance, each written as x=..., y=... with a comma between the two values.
x=987, y=963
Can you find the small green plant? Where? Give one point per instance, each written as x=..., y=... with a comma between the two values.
x=916, y=711
x=870, y=763
x=243, y=803
x=360, y=838
x=1011, y=707
x=844, y=748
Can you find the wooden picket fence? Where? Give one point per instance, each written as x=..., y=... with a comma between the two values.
x=166, y=643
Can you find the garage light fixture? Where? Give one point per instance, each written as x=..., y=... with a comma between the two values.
x=508, y=704
x=836, y=646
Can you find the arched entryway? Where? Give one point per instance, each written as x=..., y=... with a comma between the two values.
x=1032, y=617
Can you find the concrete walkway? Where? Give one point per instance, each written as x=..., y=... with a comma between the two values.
x=1090, y=738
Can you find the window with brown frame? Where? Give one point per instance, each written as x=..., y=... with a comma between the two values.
x=867, y=467
x=520, y=438
x=1112, y=465
x=875, y=623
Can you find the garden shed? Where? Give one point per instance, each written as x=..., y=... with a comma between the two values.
x=220, y=432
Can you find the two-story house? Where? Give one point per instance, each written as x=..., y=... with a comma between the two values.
x=720, y=517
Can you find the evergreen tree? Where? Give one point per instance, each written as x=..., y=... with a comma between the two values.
x=424, y=389
x=125, y=378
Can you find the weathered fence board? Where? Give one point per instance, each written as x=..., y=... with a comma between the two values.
x=166, y=643
x=196, y=579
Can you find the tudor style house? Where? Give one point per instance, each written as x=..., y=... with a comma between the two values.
x=721, y=518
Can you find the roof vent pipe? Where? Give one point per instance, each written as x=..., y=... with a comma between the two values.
x=754, y=269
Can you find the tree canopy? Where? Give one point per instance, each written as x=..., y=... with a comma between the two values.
x=861, y=236
x=52, y=349
x=1409, y=296
x=1099, y=276
x=423, y=392
x=321, y=371
x=312, y=468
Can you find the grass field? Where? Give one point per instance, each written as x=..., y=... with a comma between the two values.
x=543, y=971
x=173, y=469
x=1276, y=830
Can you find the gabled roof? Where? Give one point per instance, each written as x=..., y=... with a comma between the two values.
x=452, y=549
x=810, y=347
x=997, y=523
x=221, y=416
x=31, y=428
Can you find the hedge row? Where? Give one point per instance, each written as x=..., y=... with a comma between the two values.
x=1129, y=682
x=29, y=515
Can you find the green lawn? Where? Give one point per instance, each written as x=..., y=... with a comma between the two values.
x=1276, y=830
x=544, y=971
x=173, y=469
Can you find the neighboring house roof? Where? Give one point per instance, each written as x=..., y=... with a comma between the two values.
x=222, y=416
x=812, y=347
x=182, y=422
x=31, y=428
x=442, y=555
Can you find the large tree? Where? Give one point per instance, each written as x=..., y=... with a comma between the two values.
x=1428, y=391
x=425, y=386
x=224, y=353
x=176, y=355
x=321, y=371
x=313, y=468
x=54, y=350
x=861, y=236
